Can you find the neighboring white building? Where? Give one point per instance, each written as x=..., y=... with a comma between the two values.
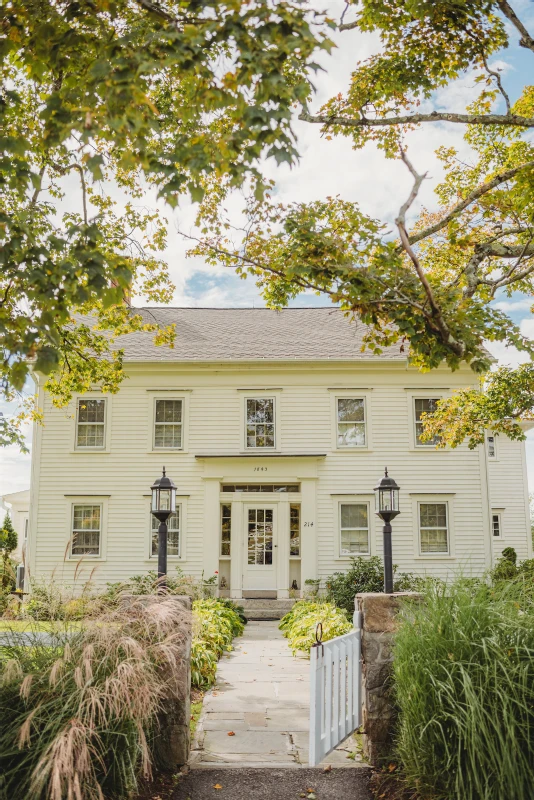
x=275, y=426
x=18, y=504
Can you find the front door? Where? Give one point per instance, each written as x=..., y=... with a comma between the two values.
x=260, y=547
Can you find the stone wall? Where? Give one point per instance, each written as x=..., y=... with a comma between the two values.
x=378, y=623
x=172, y=739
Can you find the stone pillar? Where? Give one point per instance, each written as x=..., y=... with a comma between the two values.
x=172, y=739
x=378, y=624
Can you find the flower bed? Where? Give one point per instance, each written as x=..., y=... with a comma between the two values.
x=300, y=624
x=215, y=624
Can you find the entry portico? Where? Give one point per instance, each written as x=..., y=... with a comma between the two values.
x=264, y=493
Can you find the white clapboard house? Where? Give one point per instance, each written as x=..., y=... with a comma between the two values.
x=275, y=427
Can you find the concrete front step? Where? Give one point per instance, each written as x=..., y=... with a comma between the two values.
x=265, y=609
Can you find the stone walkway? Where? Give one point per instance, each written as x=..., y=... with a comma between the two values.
x=257, y=714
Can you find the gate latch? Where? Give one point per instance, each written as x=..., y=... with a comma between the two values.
x=319, y=637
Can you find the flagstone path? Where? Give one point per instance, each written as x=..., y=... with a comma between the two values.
x=257, y=714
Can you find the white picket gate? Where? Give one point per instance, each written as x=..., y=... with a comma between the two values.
x=335, y=692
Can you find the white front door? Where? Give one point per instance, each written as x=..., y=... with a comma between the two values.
x=260, y=543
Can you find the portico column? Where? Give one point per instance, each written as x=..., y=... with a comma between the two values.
x=282, y=549
x=236, y=549
x=212, y=524
x=308, y=531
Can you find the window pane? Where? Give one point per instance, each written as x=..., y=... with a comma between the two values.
x=294, y=530
x=168, y=424
x=350, y=410
x=350, y=422
x=91, y=410
x=424, y=405
x=433, y=527
x=226, y=529
x=86, y=530
x=260, y=422
x=354, y=515
x=351, y=434
x=173, y=534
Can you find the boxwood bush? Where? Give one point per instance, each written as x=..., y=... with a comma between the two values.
x=365, y=575
x=464, y=686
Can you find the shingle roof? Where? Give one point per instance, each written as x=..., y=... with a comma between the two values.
x=250, y=334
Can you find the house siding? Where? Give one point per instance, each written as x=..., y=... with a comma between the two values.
x=120, y=478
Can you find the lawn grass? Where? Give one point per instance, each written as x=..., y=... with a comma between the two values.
x=22, y=625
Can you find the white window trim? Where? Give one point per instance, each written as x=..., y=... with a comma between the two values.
x=497, y=512
x=107, y=426
x=259, y=395
x=448, y=499
x=182, y=502
x=428, y=394
x=356, y=395
x=152, y=397
x=491, y=459
x=353, y=500
x=87, y=500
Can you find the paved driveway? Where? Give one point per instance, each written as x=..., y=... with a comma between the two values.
x=257, y=714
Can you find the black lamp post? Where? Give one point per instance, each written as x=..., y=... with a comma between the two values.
x=163, y=505
x=387, y=507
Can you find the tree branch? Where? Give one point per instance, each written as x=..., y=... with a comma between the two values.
x=457, y=347
x=415, y=119
x=471, y=197
x=526, y=39
x=498, y=81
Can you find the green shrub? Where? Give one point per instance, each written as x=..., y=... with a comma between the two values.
x=215, y=624
x=300, y=624
x=365, y=575
x=78, y=710
x=464, y=686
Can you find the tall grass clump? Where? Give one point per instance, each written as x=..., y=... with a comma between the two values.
x=78, y=708
x=464, y=686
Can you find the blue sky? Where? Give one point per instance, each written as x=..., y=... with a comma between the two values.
x=331, y=168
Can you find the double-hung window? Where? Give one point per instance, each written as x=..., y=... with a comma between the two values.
x=351, y=422
x=86, y=532
x=168, y=424
x=173, y=534
x=491, y=446
x=424, y=405
x=260, y=422
x=91, y=423
x=354, y=528
x=434, y=528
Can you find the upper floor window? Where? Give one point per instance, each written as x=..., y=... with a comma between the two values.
x=168, y=424
x=173, y=534
x=354, y=528
x=492, y=447
x=86, y=529
x=91, y=423
x=351, y=422
x=424, y=405
x=434, y=528
x=260, y=431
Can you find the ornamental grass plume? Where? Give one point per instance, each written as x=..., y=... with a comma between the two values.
x=79, y=707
